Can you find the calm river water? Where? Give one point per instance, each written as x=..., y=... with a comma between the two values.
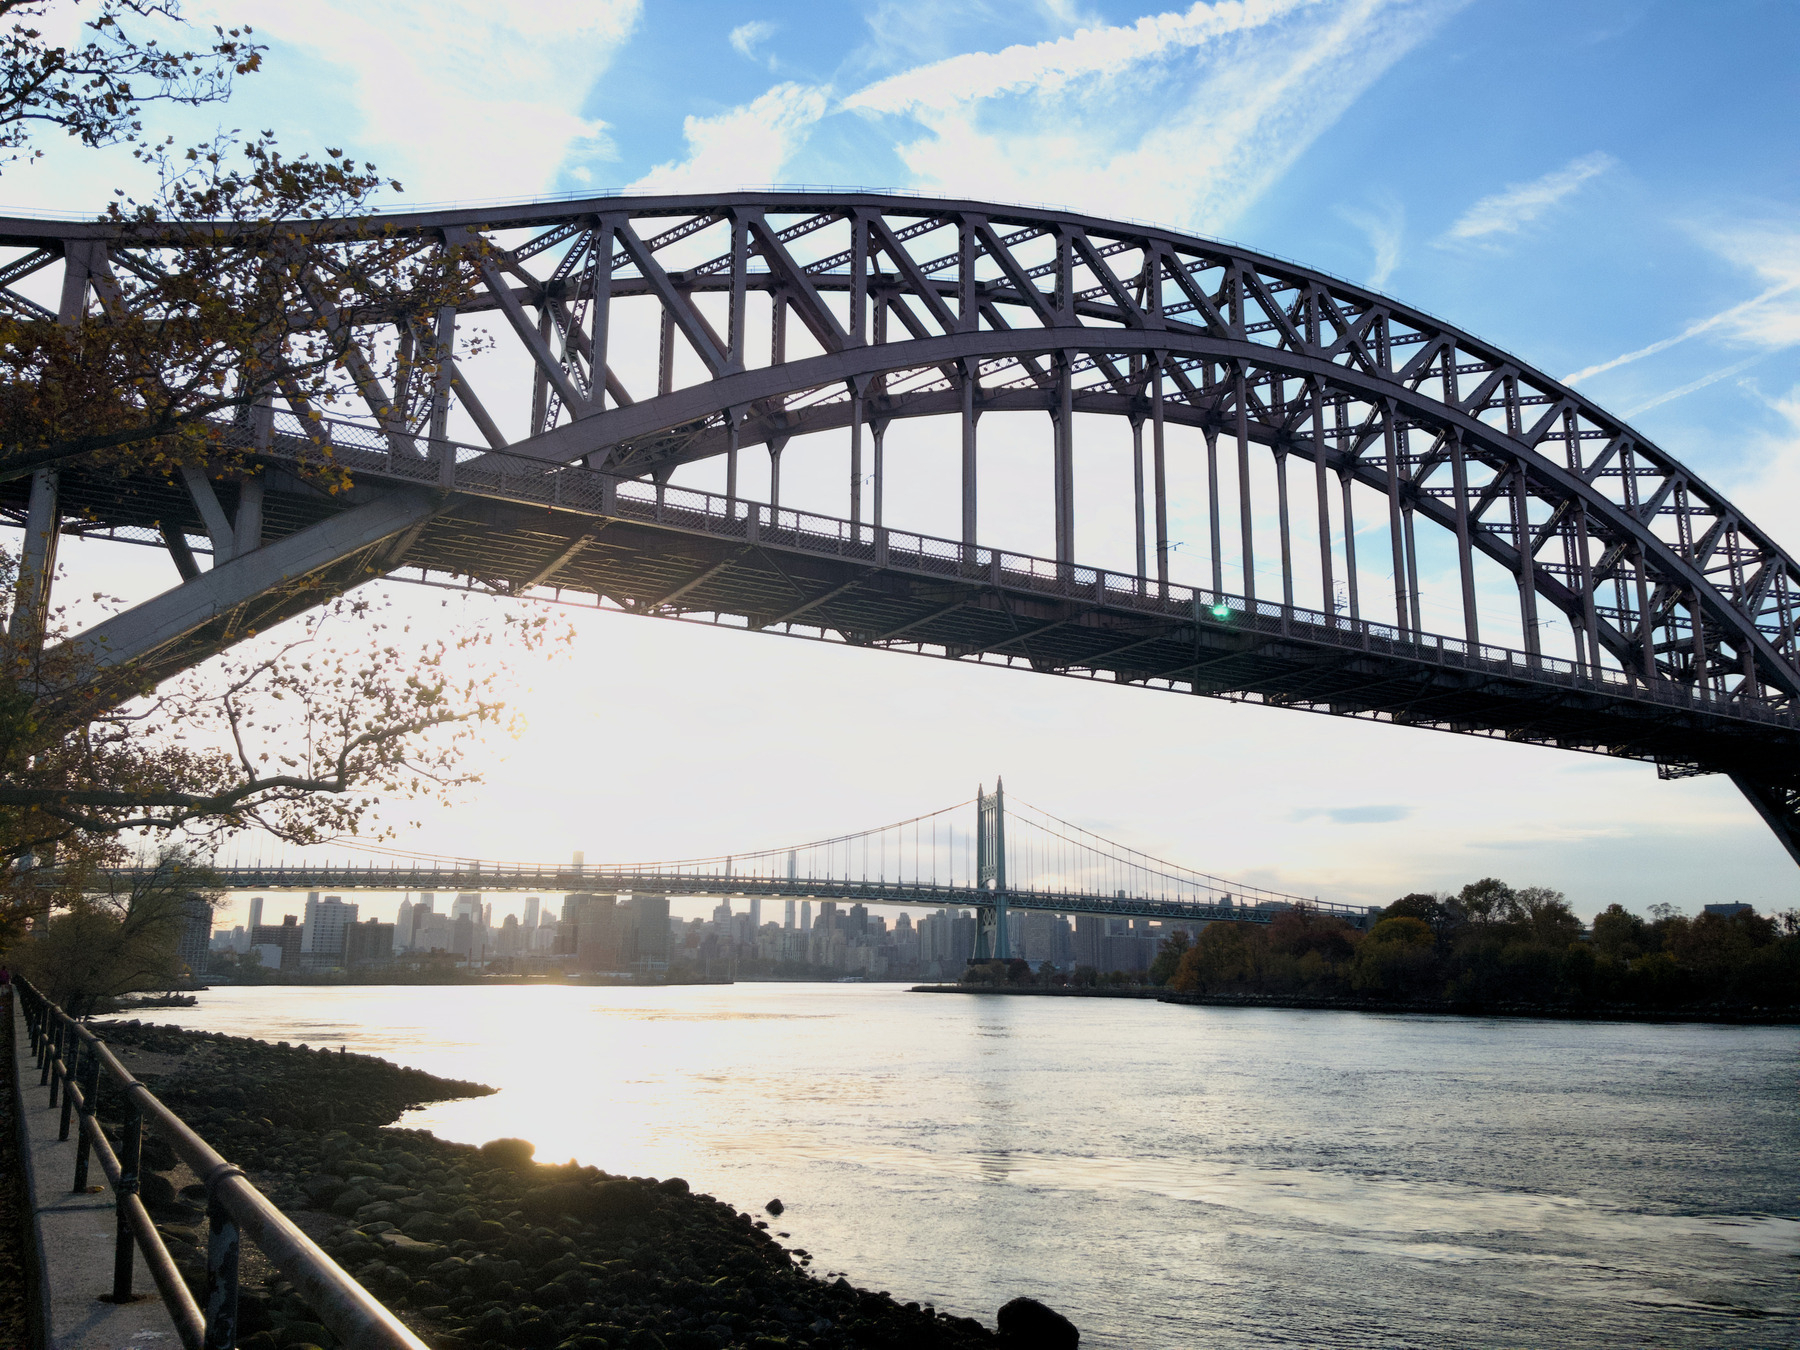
x=1168, y=1177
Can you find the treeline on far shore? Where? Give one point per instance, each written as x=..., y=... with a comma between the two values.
x=1488, y=944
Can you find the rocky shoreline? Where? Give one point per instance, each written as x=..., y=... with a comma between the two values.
x=483, y=1248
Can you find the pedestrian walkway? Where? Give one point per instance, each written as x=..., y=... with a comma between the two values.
x=75, y=1233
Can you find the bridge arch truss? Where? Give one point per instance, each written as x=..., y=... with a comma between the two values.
x=639, y=336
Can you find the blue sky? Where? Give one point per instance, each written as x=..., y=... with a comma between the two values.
x=1603, y=186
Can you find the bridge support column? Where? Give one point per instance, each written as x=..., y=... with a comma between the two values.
x=969, y=391
x=1160, y=476
x=37, y=562
x=1245, y=514
x=1064, y=460
x=992, y=941
x=1137, y=499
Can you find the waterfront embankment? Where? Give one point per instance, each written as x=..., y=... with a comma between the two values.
x=484, y=1247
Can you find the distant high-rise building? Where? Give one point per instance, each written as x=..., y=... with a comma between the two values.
x=787, y=920
x=828, y=915
x=599, y=931
x=650, y=931
x=531, y=911
x=403, y=926
x=426, y=902
x=962, y=936
x=196, y=932
x=467, y=906
x=284, y=937
x=1090, y=934
x=431, y=932
x=755, y=915
x=721, y=918
x=370, y=943
x=806, y=916
x=507, y=942
x=487, y=915
x=858, y=921
x=326, y=920
x=255, y=919
x=463, y=942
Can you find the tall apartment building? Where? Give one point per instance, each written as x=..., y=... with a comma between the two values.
x=326, y=923
x=255, y=919
x=195, y=937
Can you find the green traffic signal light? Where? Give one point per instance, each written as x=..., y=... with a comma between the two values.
x=1221, y=611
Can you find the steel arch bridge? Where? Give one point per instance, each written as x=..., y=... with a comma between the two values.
x=643, y=338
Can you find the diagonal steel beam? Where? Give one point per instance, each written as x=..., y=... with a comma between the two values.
x=140, y=632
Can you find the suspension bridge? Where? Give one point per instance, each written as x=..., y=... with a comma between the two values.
x=981, y=853
x=640, y=358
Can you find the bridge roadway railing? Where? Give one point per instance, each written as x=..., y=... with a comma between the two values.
x=451, y=466
x=73, y=1061
x=568, y=880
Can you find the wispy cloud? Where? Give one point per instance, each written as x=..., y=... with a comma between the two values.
x=1385, y=226
x=1185, y=117
x=444, y=86
x=1510, y=211
x=1770, y=319
x=1736, y=368
x=748, y=146
x=746, y=36
x=1355, y=815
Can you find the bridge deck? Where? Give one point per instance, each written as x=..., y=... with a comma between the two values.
x=520, y=526
x=569, y=881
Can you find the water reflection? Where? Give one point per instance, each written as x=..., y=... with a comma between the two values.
x=1169, y=1176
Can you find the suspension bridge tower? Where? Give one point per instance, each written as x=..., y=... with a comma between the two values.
x=991, y=939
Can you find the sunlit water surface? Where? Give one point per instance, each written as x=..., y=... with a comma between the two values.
x=1166, y=1176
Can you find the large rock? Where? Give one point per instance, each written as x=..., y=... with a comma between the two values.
x=1026, y=1324
x=425, y=1226
x=514, y=1153
x=351, y=1199
x=411, y=1250
x=156, y=1191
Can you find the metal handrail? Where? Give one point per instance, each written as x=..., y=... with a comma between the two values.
x=71, y=1059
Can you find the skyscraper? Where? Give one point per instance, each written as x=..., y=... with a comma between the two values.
x=403, y=925
x=531, y=911
x=806, y=916
x=787, y=921
x=326, y=920
x=255, y=919
x=755, y=915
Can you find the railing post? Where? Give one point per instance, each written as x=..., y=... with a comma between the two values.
x=131, y=1154
x=51, y=1030
x=90, y=1105
x=71, y=1077
x=54, y=1062
x=221, y=1302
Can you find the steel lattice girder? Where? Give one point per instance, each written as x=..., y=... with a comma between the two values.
x=921, y=307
